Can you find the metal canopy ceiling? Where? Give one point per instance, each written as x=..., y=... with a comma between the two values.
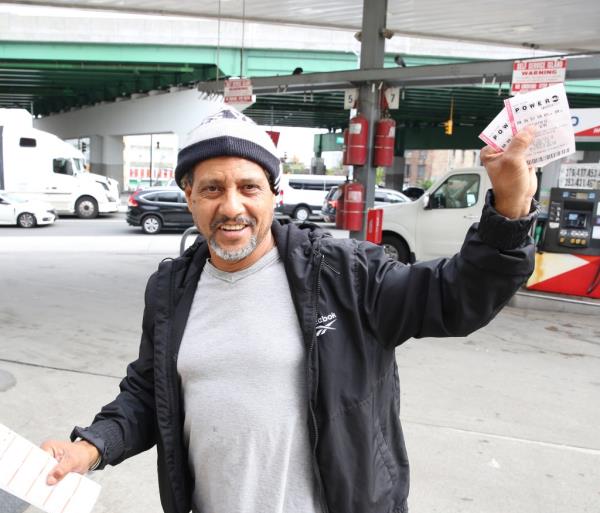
x=569, y=25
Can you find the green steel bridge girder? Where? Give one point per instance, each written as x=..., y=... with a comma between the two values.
x=425, y=138
x=413, y=138
x=62, y=57
x=462, y=138
x=256, y=62
x=55, y=76
x=51, y=77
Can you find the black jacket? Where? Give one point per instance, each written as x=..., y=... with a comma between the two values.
x=354, y=307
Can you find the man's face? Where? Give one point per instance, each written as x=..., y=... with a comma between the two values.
x=232, y=206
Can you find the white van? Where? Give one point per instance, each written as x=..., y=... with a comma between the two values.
x=435, y=224
x=37, y=165
x=301, y=196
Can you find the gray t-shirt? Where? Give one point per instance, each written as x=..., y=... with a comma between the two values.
x=242, y=368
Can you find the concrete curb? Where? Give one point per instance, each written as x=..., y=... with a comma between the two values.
x=527, y=300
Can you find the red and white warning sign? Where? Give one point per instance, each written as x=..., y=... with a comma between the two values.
x=238, y=91
x=535, y=74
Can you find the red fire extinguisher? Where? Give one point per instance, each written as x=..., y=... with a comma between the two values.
x=345, y=148
x=354, y=206
x=358, y=136
x=385, y=135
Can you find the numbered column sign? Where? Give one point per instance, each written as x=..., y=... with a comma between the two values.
x=392, y=95
x=350, y=98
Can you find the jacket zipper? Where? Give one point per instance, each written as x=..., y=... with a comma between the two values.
x=310, y=402
x=329, y=266
x=171, y=361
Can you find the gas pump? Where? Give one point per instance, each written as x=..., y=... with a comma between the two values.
x=569, y=261
x=573, y=222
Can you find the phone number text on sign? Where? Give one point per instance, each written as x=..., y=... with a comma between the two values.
x=579, y=176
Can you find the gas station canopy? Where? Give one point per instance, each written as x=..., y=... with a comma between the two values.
x=569, y=26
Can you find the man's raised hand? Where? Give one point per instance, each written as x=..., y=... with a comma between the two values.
x=513, y=181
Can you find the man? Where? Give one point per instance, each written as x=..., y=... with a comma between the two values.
x=266, y=374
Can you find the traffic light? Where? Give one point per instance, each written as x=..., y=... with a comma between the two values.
x=448, y=127
x=83, y=147
x=448, y=124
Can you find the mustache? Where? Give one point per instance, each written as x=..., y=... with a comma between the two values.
x=218, y=221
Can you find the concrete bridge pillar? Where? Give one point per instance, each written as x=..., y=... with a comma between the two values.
x=106, y=156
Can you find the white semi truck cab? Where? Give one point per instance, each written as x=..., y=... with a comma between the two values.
x=38, y=165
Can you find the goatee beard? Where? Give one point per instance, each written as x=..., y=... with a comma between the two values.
x=234, y=255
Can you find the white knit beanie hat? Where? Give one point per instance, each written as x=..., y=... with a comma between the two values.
x=228, y=133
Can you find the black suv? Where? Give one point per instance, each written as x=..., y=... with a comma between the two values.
x=156, y=208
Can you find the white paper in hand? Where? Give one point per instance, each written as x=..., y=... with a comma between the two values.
x=498, y=133
x=24, y=468
x=548, y=111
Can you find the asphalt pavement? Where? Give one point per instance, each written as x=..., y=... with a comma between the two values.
x=505, y=419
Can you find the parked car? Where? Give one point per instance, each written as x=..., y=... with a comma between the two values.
x=146, y=183
x=382, y=197
x=301, y=196
x=157, y=208
x=330, y=204
x=15, y=210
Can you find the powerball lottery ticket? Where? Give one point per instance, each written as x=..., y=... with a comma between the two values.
x=548, y=111
x=24, y=468
x=498, y=133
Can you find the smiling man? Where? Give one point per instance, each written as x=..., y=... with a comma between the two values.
x=230, y=172
x=232, y=205
x=266, y=374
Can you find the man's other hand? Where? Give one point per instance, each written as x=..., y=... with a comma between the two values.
x=513, y=181
x=71, y=456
